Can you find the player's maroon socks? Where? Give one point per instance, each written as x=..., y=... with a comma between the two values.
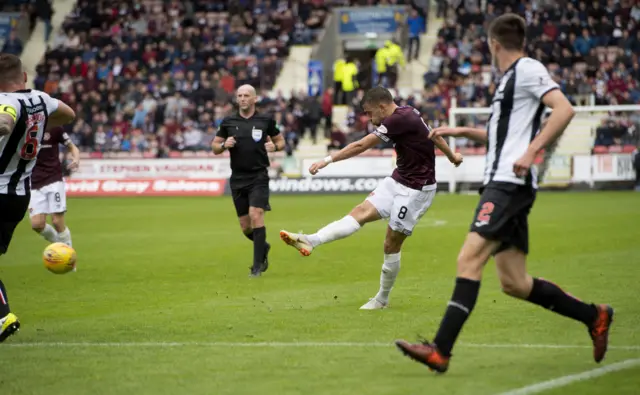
x=4, y=301
x=259, y=245
x=464, y=298
x=552, y=297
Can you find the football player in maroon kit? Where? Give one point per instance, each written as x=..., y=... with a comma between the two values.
x=47, y=187
x=402, y=199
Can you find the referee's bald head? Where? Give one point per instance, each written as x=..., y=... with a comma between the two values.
x=247, y=89
x=246, y=98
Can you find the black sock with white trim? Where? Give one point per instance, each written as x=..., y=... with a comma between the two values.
x=464, y=298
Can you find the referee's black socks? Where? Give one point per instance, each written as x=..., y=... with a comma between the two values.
x=464, y=298
x=548, y=295
x=249, y=235
x=259, y=244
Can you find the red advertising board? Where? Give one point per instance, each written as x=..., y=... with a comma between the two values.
x=145, y=187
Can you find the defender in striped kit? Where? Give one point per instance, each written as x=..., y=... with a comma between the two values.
x=500, y=224
x=25, y=115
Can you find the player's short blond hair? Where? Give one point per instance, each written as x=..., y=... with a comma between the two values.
x=10, y=69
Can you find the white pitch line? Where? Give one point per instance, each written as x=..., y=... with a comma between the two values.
x=573, y=378
x=292, y=344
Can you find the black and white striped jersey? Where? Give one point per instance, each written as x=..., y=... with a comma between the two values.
x=516, y=115
x=19, y=149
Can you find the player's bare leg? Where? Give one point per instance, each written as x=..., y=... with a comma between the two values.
x=64, y=234
x=40, y=226
x=473, y=256
x=516, y=282
x=260, y=245
x=390, y=269
x=346, y=226
x=245, y=226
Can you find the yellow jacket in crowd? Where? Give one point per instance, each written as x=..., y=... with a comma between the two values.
x=394, y=54
x=349, y=73
x=381, y=59
x=338, y=67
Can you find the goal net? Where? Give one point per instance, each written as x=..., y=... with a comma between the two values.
x=597, y=147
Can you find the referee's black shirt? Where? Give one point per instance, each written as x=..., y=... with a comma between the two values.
x=248, y=156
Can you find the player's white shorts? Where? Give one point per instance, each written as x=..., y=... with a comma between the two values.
x=50, y=199
x=401, y=205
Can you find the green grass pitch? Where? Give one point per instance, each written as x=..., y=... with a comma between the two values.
x=162, y=303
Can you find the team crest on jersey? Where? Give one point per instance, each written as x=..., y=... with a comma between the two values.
x=256, y=134
x=46, y=136
x=382, y=129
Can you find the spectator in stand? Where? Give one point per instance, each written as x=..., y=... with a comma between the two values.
x=395, y=59
x=381, y=56
x=338, y=139
x=44, y=11
x=349, y=81
x=13, y=45
x=327, y=109
x=416, y=26
x=313, y=115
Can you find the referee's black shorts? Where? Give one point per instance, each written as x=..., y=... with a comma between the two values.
x=250, y=191
x=12, y=211
x=502, y=215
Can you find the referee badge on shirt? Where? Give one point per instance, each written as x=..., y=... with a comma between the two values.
x=256, y=134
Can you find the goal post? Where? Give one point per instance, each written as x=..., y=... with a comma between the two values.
x=577, y=142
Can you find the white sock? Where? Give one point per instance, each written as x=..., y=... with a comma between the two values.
x=49, y=234
x=65, y=237
x=390, y=270
x=336, y=230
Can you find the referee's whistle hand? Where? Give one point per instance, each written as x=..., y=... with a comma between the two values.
x=230, y=142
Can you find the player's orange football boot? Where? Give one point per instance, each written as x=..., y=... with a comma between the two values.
x=297, y=241
x=426, y=354
x=599, y=331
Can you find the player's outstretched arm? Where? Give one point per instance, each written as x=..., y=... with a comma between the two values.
x=63, y=115
x=442, y=145
x=354, y=149
x=475, y=134
x=8, y=116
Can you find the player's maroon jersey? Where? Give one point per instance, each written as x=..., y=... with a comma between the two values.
x=48, y=169
x=416, y=160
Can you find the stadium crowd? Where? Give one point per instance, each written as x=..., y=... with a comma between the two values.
x=159, y=75
x=592, y=49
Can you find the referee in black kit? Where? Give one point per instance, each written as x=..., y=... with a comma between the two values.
x=249, y=136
